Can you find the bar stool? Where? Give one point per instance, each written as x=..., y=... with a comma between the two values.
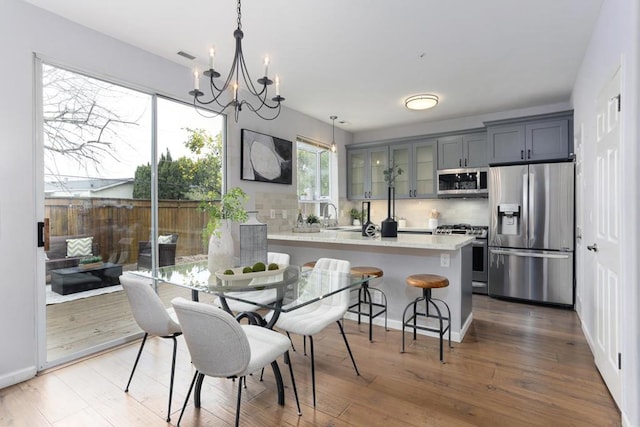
x=364, y=297
x=427, y=282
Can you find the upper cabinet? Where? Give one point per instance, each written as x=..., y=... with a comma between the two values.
x=418, y=162
x=462, y=151
x=365, y=173
x=530, y=140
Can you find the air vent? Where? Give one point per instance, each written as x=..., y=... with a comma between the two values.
x=186, y=55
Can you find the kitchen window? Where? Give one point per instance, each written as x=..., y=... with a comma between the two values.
x=315, y=176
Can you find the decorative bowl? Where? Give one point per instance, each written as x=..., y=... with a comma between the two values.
x=240, y=279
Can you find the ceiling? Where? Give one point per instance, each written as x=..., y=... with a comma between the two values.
x=359, y=59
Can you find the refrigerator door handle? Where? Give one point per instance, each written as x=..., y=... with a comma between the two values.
x=531, y=223
x=528, y=254
x=525, y=210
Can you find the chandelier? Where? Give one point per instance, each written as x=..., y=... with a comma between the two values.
x=267, y=109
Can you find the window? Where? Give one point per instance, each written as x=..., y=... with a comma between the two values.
x=315, y=176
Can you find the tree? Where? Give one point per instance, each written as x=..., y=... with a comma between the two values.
x=206, y=172
x=80, y=123
x=185, y=178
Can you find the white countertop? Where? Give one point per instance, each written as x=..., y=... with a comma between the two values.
x=404, y=240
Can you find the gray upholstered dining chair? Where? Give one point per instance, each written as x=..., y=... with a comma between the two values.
x=153, y=318
x=221, y=347
x=266, y=296
x=313, y=318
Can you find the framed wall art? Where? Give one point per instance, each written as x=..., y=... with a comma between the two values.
x=266, y=158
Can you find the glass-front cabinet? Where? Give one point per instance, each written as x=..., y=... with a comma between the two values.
x=365, y=173
x=418, y=161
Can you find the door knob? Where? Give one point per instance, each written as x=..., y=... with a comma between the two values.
x=593, y=247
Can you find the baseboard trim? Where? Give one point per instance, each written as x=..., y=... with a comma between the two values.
x=16, y=377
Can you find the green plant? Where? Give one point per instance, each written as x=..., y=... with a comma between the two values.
x=355, y=214
x=312, y=219
x=91, y=260
x=391, y=173
x=230, y=207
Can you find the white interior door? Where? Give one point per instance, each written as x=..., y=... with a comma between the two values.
x=579, y=212
x=606, y=248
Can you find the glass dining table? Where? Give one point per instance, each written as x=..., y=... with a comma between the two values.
x=292, y=286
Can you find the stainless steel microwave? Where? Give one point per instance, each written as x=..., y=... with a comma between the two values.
x=463, y=182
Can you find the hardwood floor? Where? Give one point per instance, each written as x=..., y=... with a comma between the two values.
x=519, y=365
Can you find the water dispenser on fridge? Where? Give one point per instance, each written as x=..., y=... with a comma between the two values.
x=509, y=219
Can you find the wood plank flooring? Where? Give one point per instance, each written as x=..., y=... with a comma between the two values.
x=519, y=365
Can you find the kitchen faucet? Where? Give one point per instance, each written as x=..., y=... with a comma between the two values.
x=327, y=216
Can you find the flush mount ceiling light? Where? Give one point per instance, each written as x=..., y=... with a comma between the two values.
x=265, y=108
x=421, y=102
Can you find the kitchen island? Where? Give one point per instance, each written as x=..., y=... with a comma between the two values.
x=399, y=257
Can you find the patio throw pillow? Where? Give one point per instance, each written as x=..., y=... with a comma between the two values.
x=164, y=239
x=79, y=247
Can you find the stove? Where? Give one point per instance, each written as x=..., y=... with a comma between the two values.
x=479, y=231
x=480, y=251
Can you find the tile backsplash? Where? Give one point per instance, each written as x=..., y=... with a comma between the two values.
x=474, y=211
x=416, y=212
x=284, y=207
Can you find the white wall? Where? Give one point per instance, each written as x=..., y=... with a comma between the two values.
x=615, y=42
x=24, y=30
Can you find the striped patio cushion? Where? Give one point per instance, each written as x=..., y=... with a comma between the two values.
x=80, y=247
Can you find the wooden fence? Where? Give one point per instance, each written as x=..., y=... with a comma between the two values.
x=117, y=225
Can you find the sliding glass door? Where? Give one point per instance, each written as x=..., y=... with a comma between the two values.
x=104, y=214
x=94, y=135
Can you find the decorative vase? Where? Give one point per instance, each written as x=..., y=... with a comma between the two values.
x=389, y=227
x=221, y=250
x=253, y=241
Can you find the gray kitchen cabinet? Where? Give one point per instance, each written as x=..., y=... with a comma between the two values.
x=529, y=141
x=418, y=162
x=365, y=172
x=462, y=151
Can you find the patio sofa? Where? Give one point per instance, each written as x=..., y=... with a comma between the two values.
x=166, y=252
x=58, y=254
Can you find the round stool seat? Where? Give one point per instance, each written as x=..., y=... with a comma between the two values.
x=309, y=264
x=367, y=271
x=427, y=281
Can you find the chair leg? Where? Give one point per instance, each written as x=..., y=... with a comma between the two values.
x=291, y=341
x=239, y=400
x=348, y=348
x=173, y=371
x=287, y=361
x=135, y=364
x=186, y=399
x=279, y=383
x=313, y=372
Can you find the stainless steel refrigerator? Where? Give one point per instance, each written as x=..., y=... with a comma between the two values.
x=531, y=232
